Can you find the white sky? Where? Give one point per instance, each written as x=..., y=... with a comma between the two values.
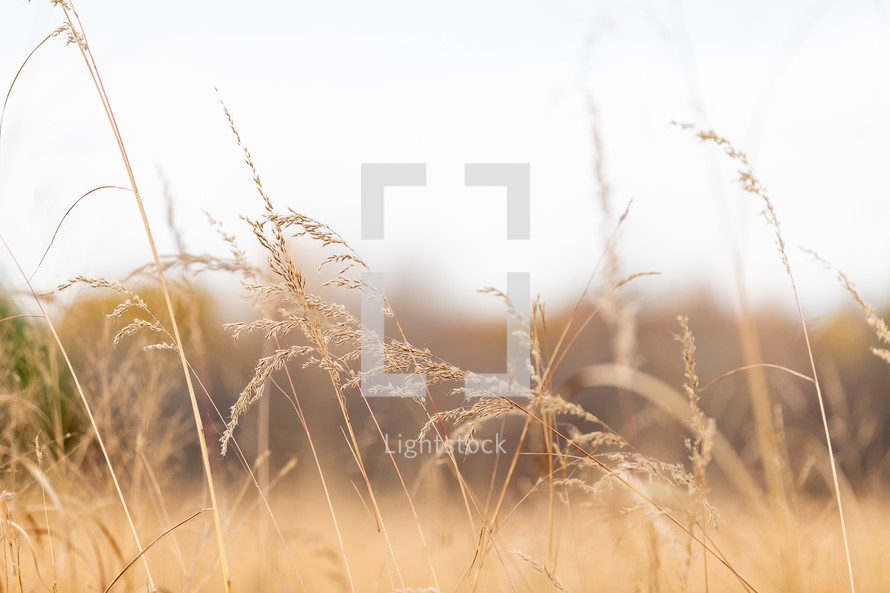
x=319, y=88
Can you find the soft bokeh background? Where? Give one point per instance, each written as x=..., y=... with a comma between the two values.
x=319, y=88
x=316, y=90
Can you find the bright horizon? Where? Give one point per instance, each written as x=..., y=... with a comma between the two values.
x=317, y=91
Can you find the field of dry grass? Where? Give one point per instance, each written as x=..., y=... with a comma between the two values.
x=656, y=450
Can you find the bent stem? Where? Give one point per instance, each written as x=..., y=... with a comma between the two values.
x=80, y=38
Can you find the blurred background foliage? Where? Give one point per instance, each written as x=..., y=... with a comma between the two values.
x=141, y=405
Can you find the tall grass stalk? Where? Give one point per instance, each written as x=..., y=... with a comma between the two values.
x=749, y=183
x=313, y=313
x=79, y=36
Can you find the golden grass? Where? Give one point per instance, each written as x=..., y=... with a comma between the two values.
x=600, y=547
x=597, y=511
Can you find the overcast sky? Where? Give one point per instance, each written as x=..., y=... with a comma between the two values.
x=317, y=89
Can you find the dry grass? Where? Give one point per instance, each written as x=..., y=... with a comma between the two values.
x=102, y=488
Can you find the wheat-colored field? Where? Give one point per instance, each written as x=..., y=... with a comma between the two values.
x=151, y=442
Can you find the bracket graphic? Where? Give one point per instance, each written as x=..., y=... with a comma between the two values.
x=516, y=178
